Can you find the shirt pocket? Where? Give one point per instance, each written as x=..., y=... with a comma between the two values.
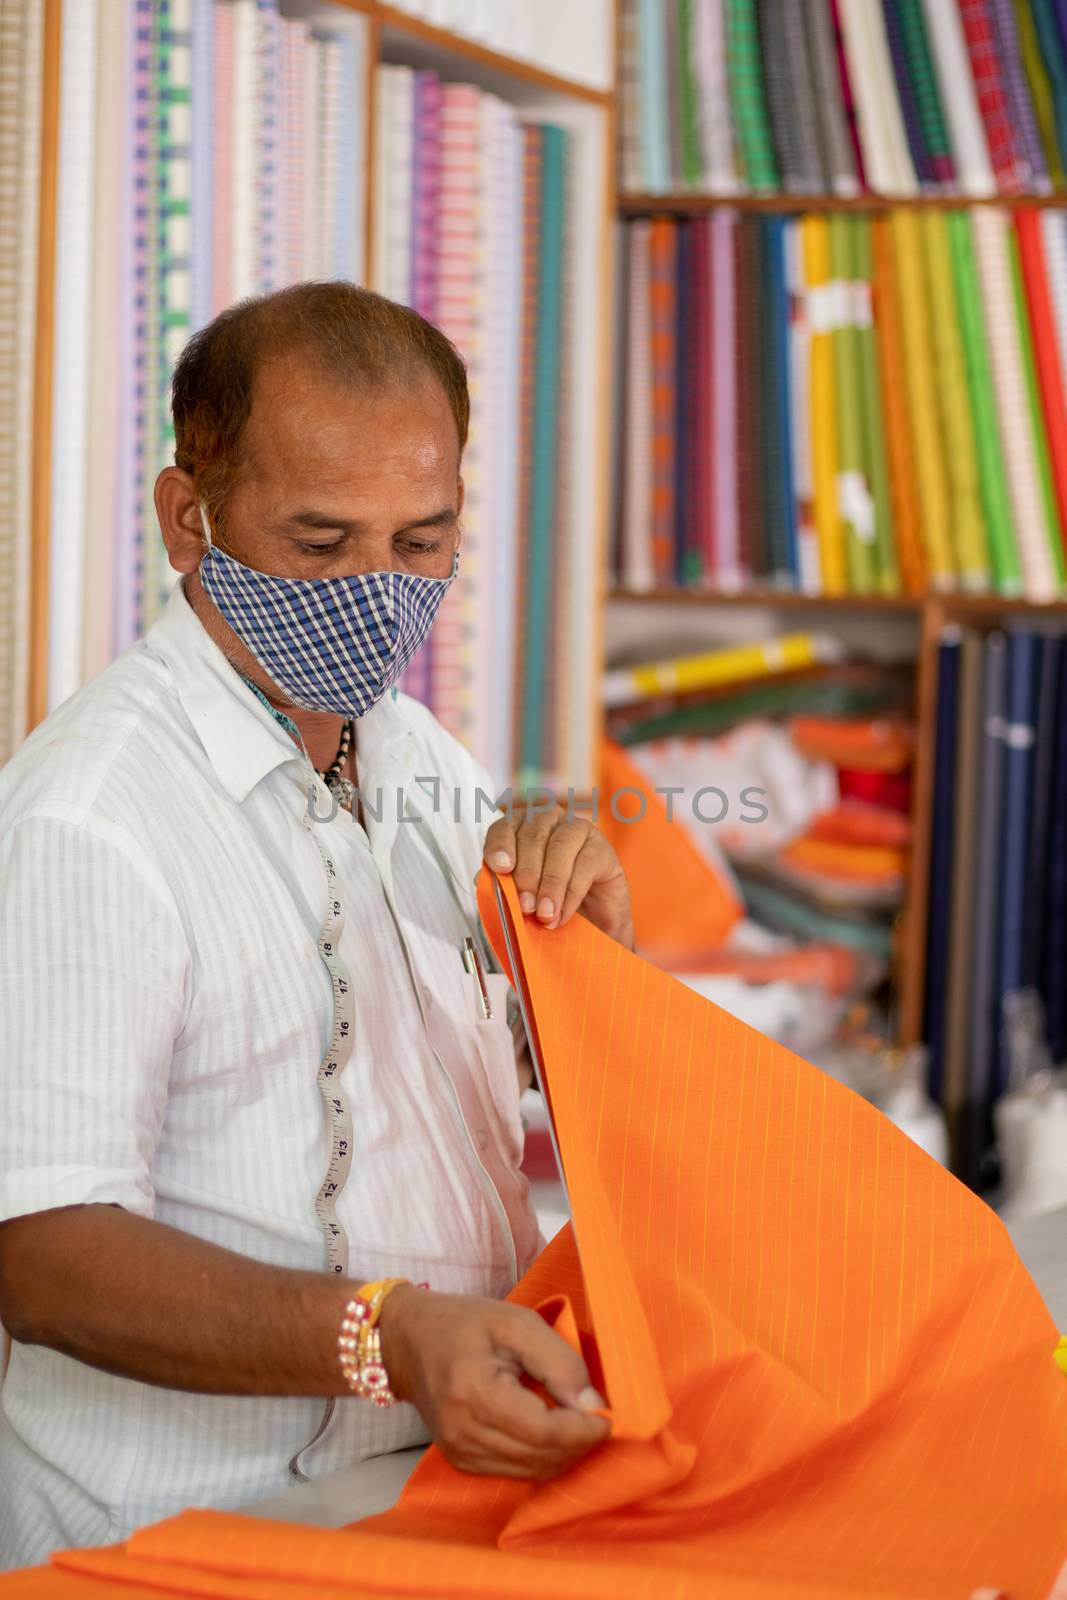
x=496, y=1053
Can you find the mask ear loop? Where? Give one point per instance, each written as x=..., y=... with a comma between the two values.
x=204, y=523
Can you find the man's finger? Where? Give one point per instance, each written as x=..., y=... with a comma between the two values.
x=531, y=841
x=561, y=852
x=499, y=849
x=521, y=1415
x=548, y=1359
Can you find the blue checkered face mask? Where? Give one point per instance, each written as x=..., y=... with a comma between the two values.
x=330, y=644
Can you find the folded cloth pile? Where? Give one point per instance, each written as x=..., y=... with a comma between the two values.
x=828, y=1372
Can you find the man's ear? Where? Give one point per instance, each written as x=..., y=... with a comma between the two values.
x=178, y=510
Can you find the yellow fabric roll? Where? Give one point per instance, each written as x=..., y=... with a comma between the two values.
x=961, y=460
x=922, y=397
x=815, y=245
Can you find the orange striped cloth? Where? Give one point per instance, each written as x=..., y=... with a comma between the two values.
x=829, y=1374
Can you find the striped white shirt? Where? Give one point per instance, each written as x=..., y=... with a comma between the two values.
x=165, y=1010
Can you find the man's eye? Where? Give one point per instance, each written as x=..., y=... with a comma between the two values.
x=417, y=547
x=321, y=549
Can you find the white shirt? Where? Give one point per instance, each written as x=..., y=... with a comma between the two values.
x=164, y=1012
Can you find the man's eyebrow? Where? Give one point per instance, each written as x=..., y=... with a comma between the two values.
x=322, y=519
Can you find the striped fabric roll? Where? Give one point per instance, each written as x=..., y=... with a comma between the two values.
x=837, y=153
x=974, y=170
x=906, y=90
x=1010, y=166
x=907, y=515
x=992, y=241
x=716, y=134
x=663, y=332
x=1017, y=89
x=724, y=356
x=927, y=90
x=748, y=102
x=637, y=567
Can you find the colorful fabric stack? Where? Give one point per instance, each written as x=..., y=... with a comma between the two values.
x=473, y=227
x=894, y=97
x=997, y=919
x=846, y=404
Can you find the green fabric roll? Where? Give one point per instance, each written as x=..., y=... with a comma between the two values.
x=923, y=75
x=853, y=481
x=992, y=475
x=777, y=698
x=748, y=97
x=692, y=156
x=885, y=558
x=1040, y=89
x=1037, y=416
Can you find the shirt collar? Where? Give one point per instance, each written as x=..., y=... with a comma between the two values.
x=241, y=739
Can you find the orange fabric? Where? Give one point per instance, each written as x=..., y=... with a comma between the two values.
x=884, y=744
x=680, y=903
x=853, y=823
x=848, y=862
x=828, y=1371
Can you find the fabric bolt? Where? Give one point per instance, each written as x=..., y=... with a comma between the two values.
x=1051, y=44
x=969, y=549
x=967, y=779
x=700, y=419
x=748, y=102
x=886, y=158
x=907, y=93
x=913, y=1416
x=723, y=224
x=1017, y=88
x=1054, y=242
x=631, y=176
x=672, y=54
x=720, y=175
x=1046, y=356
x=749, y=400
x=1006, y=154
x=166, y=813
x=663, y=245
x=684, y=560
x=900, y=449
x=847, y=96
x=809, y=565
x=974, y=171
x=996, y=501
x=927, y=89
x=991, y=232
x=920, y=372
x=655, y=109
x=838, y=159
x=779, y=508
x=1053, y=551
x=688, y=104
x=874, y=451
x=815, y=232
x=1040, y=90
x=853, y=482
x=638, y=571
x=791, y=95
x=943, y=816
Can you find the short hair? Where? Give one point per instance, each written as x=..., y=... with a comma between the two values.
x=359, y=337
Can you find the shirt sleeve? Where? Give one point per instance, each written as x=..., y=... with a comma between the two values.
x=93, y=970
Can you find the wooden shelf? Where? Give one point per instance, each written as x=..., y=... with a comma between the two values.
x=395, y=24
x=955, y=607
x=642, y=205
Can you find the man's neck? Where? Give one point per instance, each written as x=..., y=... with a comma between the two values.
x=320, y=730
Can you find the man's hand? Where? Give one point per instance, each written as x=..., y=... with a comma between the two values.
x=561, y=866
x=459, y=1360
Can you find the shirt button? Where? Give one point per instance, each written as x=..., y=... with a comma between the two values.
x=483, y=1139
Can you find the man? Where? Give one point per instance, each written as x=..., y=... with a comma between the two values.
x=244, y=1036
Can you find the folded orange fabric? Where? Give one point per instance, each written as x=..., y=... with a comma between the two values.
x=885, y=744
x=680, y=903
x=829, y=1373
x=854, y=823
x=849, y=862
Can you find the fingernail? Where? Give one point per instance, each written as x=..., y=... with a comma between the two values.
x=546, y=908
x=501, y=861
x=589, y=1400
x=527, y=902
